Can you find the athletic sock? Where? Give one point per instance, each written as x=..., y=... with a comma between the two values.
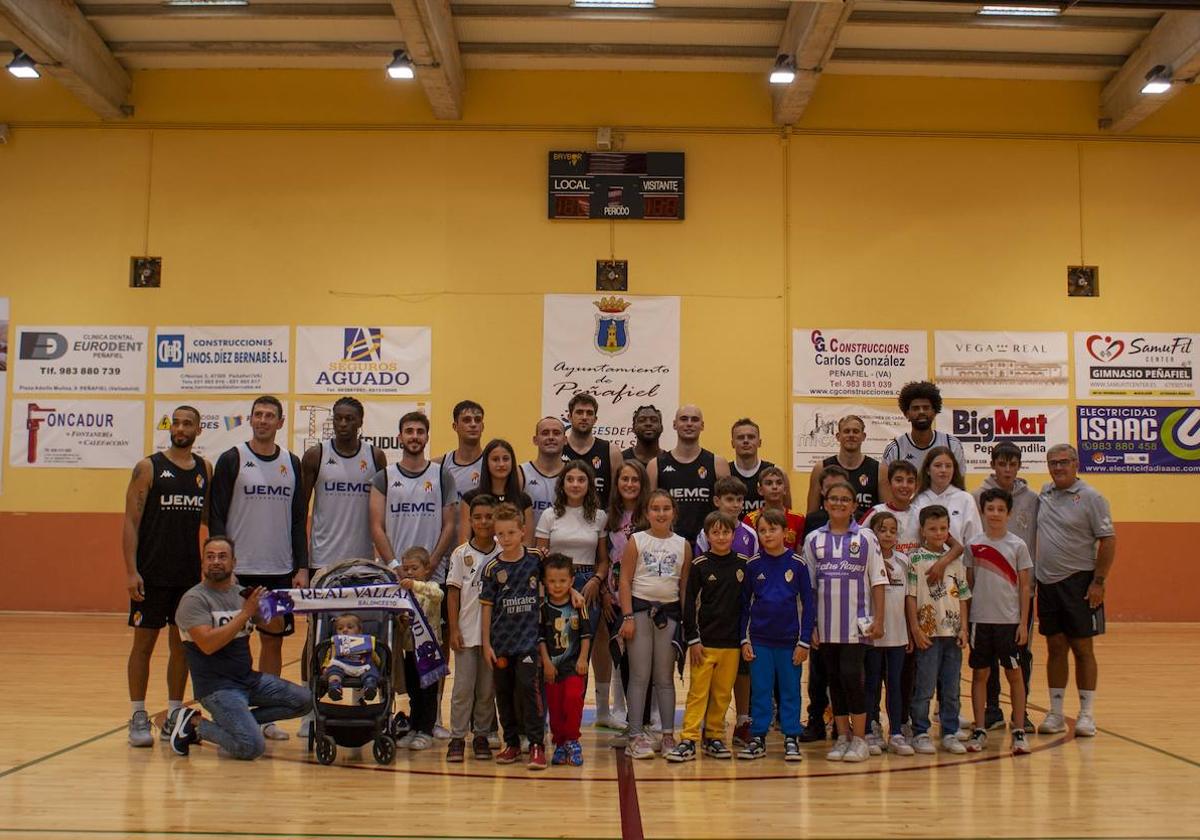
x=743, y=719
x=138, y=705
x=1086, y=698
x=602, y=700
x=1056, y=700
x=173, y=705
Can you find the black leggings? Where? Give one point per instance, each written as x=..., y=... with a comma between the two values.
x=844, y=669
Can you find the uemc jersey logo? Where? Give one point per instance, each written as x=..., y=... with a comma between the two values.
x=1013, y=425
x=362, y=344
x=168, y=351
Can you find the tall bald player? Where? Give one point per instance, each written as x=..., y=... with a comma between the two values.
x=541, y=474
x=603, y=456
x=862, y=469
x=336, y=474
x=689, y=473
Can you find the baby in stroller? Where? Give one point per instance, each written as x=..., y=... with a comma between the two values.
x=351, y=654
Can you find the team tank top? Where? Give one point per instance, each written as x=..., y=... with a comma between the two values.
x=539, y=487
x=753, y=499
x=414, y=508
x=864, y=480
x=466, y=476
x=260, y=514
x=168, y=548
x=599, y=458
x=341, y=527
x=691, y=486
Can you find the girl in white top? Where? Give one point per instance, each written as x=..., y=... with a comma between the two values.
x=886, y=655
x=941, y=483
x=653, y=578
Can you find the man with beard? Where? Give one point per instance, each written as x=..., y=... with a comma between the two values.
x=647, y=428
x=541, y=474
x=746, y=465
x=164, y=506
x=689, y=473
x=603, y=456
x=863, y=470
x=920, y=403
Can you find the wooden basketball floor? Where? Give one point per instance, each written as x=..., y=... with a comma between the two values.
x=66, y=769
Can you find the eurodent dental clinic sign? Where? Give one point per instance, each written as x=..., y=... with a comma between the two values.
x=1131, y=364
x=1031, y=428
x=1138, y=438
x=55, y=432
x=60, y=359
x=221, y=360
x=363, y=360
x=857, y=363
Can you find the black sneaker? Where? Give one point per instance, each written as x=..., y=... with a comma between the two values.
x=791, y=749
x=684, y=751
x=812, y=732
x=184, y=734
x=168, y=725
x=756, y=747
x=715, y=748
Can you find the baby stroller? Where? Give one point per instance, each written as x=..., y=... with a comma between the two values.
x=353, y=725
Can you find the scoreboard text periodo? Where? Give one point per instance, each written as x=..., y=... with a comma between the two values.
x=616, y=185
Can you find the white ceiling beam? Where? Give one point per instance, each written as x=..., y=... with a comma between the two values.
x=429, y=37
x=809, y=36
x=66, y=47
x=1175, y=43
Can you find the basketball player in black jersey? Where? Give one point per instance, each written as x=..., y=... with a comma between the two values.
x=603, y=456
x=164, y=507
x=862, y=469
x=648, y=429
x=746, y=439
x=689, y=473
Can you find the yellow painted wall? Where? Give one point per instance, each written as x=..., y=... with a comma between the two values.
x=314, y=198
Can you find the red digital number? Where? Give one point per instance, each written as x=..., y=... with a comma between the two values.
x=660, y=206
x=571, y=207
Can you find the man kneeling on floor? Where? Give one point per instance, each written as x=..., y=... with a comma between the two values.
x=214, y=620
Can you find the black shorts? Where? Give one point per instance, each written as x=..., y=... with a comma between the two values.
x=271, y=582
x=992, y=642
x=157, y=610
x=1062, y=607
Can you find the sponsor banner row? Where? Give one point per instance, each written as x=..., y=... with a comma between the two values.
x=853, y=363
x=1138, y=439
x=223, y=360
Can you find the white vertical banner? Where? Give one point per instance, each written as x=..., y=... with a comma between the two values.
x=1015, y=365
x=363, y=360
x=3, y=377
x=57, y=432
x=814, y=430
x=312, y=422
x=621, y=349
x=223, y=424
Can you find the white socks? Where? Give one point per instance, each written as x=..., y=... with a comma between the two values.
x=138, y=705
x=1056, y=700
x=1086, y=698
x=173, y=706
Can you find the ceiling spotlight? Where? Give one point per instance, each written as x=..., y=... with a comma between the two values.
x=23, y=67
x=401, y=66
x=1158, y=80
x=784, y=71
x=1020, y=11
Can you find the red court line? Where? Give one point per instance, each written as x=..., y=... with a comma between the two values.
x=631, y=814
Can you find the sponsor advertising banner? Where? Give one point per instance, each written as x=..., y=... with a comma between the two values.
x=55, y=432
x=3, y=375
x=857, y=363
x=111, y=360
x=1138, y=439
x=363, y=360
x=223, y=360
x=1129, y=364
x=1022, y=365
x=313, y=423
x=623, y=350
x=223, y=423
x=815, y=424
x=1033, y=429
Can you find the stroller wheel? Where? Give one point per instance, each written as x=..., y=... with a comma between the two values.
x=326, y=750
x=384, y=750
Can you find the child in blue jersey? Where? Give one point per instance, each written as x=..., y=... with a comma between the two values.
x=351, y=654
x=778, y=611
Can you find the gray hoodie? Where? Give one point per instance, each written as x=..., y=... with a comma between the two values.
x=1023, y=521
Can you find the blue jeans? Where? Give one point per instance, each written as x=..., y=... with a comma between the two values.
x=885, y=663
x=940, y=664
x=771, y=667
x=236, y=727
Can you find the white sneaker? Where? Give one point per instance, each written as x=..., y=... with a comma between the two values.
x=441, y=733
x=1085, y=726
x=420, y=741
x=857, y=751
x=923, y=744
x=874, y=744
x=839, y=749
x=306, y=723
x=1052, y=724
x=140, y=732
x=951, y=744
x=273, y=733
x=406, y=741
x=963, y=734
x=641, y=747
x=899, y=745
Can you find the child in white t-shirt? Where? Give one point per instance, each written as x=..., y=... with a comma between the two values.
x=885, y=657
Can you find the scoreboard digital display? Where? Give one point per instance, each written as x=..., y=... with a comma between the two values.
x=616, y=185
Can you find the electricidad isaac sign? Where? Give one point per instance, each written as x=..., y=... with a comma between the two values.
x=1138, y=439
x=616, y=185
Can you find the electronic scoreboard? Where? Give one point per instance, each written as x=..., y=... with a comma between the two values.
x=616, y=185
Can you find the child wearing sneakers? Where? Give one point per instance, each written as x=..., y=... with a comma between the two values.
x=351, y=654
x=885, y=657
x=415, y=571
x=473, y=701
x=776, y=629
x=564, y=644
x=998, y=570
x=937, y=620
x=711, y=611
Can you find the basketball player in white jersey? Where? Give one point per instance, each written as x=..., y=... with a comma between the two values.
x=689, y=473
x=465, y=463
x=746, y=439
x=539, y=476
x=604, y=456
x=920, y=403
x=337, y=476
x=256, y=501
